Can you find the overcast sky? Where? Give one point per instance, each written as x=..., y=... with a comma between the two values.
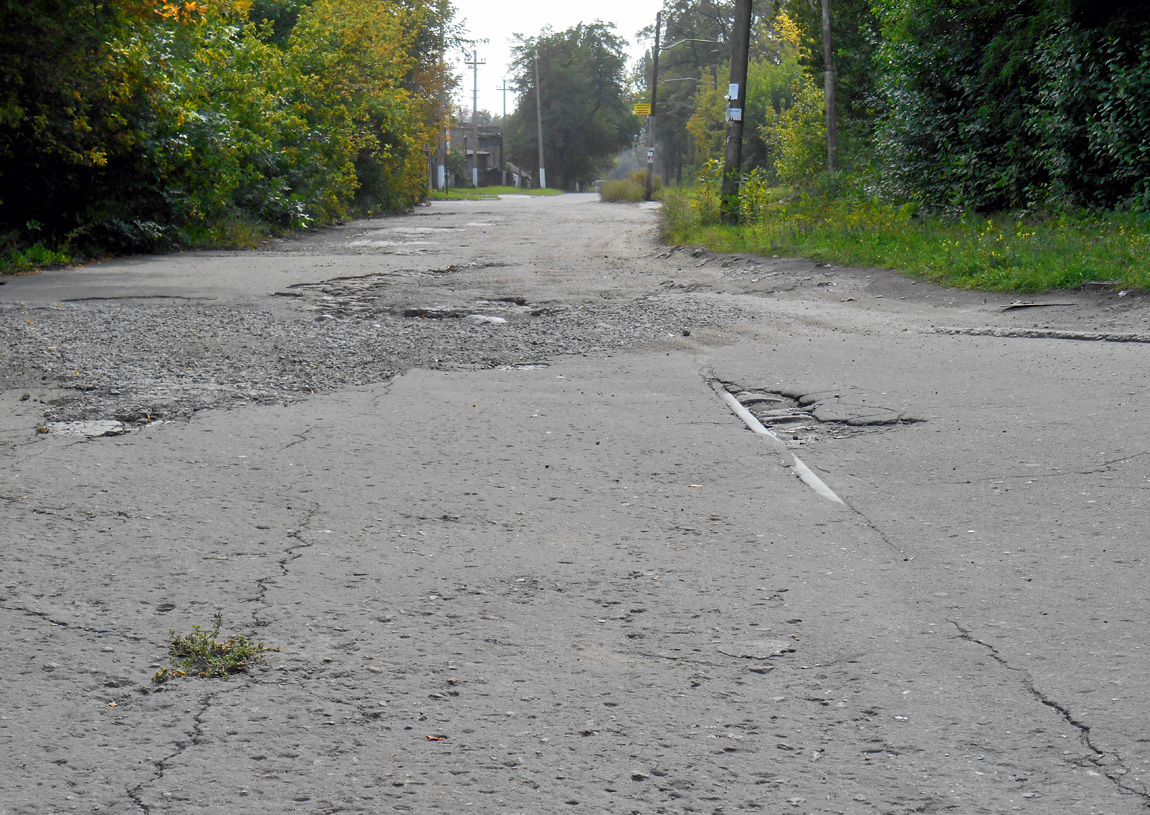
x=497, y=20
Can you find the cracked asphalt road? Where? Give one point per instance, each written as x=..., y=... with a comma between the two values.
x=536, y=565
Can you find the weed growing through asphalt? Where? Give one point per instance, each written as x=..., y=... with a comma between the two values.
x=202, y=654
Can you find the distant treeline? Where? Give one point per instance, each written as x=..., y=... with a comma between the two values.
x=144, y=124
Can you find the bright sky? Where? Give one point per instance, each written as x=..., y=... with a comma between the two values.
x=497, y=21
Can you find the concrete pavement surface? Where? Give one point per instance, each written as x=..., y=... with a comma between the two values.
x=467, y=469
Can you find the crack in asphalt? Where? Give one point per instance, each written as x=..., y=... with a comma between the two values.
x=876, y=529
x=300, y=438
x=1104, y=467
x=290, y=553
x=1113, y=770
x=43, y=615
x=1044, y=334
x=161, y=765
x=46, y=618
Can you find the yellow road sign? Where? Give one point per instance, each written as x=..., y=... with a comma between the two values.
x=642, y=109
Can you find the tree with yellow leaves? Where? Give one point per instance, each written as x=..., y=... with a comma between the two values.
x=133, y=124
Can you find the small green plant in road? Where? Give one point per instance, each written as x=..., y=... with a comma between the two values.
x=202, y=654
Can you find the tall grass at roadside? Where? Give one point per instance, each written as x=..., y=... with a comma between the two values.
x=630, y=190
x=1023, y=252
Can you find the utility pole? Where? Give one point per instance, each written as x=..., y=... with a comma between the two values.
x=539, y=122
x=736, y=104
x=505, y=89
x=475, y=63
x=829, y=91
x=502, y=130
x=443, y=142
x=651, y=118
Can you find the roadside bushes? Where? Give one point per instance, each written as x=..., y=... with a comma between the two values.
x=630, y=190
x=1000, y=105
x=132, y=125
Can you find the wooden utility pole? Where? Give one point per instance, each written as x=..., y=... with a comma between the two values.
x=651, y=118
x=829, y=90
x=736, y=104
x=539, y=123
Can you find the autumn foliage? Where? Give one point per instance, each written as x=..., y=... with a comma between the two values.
x=128, y=124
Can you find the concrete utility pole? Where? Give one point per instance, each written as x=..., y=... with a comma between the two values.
x=504, y=89
x=539, y=123
x=651, y=118
x=475, y=63
x=736, y=104
x=443, y=143
x=503, y=129
x=829, y=90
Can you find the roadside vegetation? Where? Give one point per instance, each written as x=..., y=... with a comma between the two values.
x=481, y=193
x=631, y=189
x=147, y=125
x=991, y=145
x=1006, y=251
x=584, y=95
x=202, y=654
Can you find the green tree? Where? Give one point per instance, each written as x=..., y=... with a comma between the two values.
x=67, y=129
x=587, y=117
x=1014, y=103
x=775, y=80
x=695, y=46
x=128, y=124
x=693, y=71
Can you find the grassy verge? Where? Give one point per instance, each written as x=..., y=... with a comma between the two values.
x=1020, y=252
x=482, y=193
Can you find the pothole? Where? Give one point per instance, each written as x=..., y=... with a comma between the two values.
x=375, y=296
x=91, y=429
x=801, y=419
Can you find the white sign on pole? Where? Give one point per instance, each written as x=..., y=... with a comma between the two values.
x=733, y=90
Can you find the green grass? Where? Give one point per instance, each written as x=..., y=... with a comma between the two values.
x=202, y=654
x=487, y=193
x=1010, y=252
x=32, y=258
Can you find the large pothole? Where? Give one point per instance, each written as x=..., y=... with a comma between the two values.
x=801, y=419
x=378, y=295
